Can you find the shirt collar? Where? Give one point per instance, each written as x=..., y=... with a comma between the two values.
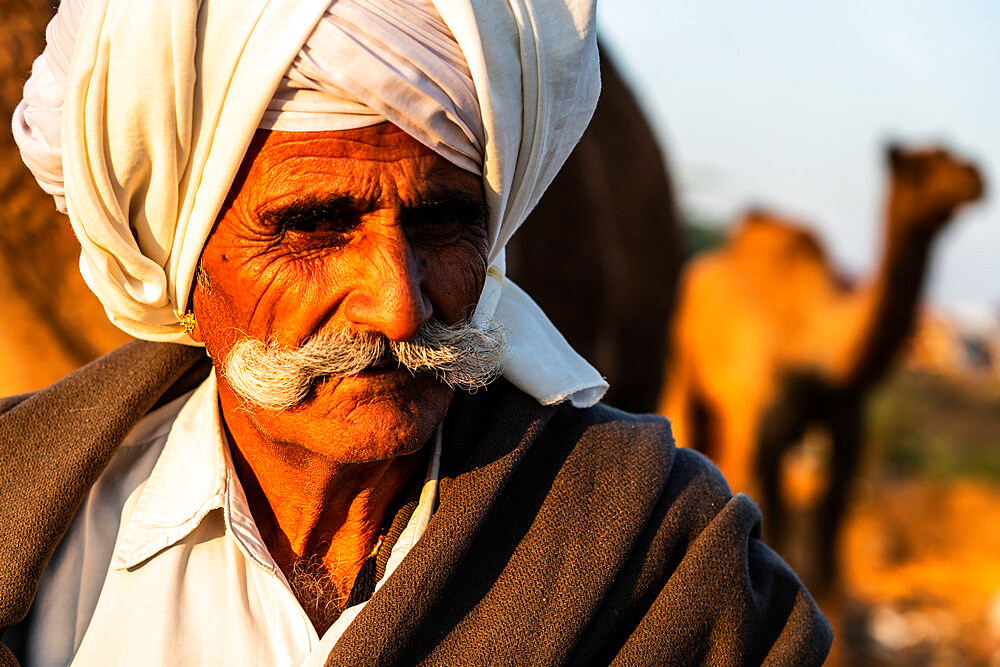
x=190, y=479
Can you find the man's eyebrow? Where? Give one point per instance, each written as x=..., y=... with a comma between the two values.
x=311, y=209
x=451, y=202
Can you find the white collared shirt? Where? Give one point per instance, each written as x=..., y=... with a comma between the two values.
x=163, y=564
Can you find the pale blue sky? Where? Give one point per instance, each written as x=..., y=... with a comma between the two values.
x=788, y=103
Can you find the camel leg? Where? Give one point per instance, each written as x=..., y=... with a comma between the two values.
x=735, y=453
x=847, y=432
x=781, y=427
x=676, y=397
x=769, y=473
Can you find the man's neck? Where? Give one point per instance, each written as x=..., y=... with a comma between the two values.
x=319, y=518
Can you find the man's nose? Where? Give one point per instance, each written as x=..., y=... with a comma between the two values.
x=391, y=298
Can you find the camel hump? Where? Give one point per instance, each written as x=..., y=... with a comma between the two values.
x=928, y=184
x=762, y=232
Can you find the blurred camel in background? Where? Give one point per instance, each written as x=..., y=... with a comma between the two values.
x=600, y=253
x=768, y=341
x=51, y=322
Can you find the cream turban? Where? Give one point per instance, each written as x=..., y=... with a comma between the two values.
x=162, y=97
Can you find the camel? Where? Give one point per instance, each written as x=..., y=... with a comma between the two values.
x=769, y=341
x=605, y=213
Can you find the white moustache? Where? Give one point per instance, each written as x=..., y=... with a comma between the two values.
x=277, y=378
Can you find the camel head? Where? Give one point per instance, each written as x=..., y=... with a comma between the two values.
x=927, y=186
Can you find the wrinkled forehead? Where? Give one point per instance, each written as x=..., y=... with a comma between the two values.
x=378, y=165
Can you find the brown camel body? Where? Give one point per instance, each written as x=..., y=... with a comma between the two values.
x=602, y=251
x=769, y=342
x=609, y=211
x=51, y=323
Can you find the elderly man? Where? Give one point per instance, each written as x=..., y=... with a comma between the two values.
x=319, y=195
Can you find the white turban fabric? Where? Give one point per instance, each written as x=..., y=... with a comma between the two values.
x=368, y=62
x=162, y=97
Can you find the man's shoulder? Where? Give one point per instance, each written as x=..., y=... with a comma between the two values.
x=605, y=426
x=602, y=445
x=650, y=545
x=594, y=461
x=55, y=442
x=142, y=368
x=618, y=442
x=695, y=558
x=10, y=402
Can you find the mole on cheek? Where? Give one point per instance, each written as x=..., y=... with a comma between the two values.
x=225, y=257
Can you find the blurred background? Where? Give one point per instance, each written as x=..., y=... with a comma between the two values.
x=788, y=106
x=719, y=245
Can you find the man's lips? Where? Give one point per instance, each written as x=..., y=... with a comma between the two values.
x=385, y=364
x=386, y=361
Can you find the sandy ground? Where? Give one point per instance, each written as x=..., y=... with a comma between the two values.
x=920, y=551
x=921, y=585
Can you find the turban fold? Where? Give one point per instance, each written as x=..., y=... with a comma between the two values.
x=368, y=62
x=162, y=97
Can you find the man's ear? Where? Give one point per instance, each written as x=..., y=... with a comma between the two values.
x=188, y=320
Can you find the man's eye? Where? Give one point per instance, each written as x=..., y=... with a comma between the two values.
x=442, y=224
x=310, y=222
x=328, y=222
x=317, y=233
x=435, y=232
x=306, y=224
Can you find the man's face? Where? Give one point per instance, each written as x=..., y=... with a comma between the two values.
x=364, y=229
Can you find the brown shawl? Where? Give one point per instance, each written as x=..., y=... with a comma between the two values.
x=563, y=536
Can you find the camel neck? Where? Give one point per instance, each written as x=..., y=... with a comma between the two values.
x=893, y=300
